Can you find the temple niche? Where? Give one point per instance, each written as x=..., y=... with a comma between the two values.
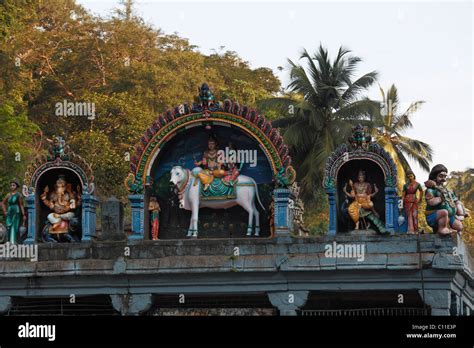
x=58, y=190
x=213, y=170
x=360, y=180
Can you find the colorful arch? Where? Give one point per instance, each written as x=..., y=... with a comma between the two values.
x=228, y=112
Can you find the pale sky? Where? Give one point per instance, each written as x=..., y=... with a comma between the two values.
x=424, y=47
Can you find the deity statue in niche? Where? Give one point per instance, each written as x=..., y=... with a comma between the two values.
x=444, y=211
x=61, y=221
x=14, y=212
x=362, y=206
x=212, y=167
x=411, y=201
x=154, y=208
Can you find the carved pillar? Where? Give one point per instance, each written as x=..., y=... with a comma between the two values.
x=390, y=205
x=89, y=205
x=331, y=192
x=31, y=211
x=137, y=203
x=438, y=300
x=288, y=302
x=130, y=304
x=283, y=223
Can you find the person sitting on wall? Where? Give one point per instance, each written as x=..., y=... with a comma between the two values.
x=212, y=167
x=444, y=211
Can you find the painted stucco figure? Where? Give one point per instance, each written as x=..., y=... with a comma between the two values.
x=14, y=213
x=154, y=208
x=62, y=202
x=444, y=211
x=210, y=164
x=410, y=202
x=189, y=190
x=362, y=206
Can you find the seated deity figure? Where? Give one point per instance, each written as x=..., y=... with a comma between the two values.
x=362, y=206
x=210, y=163
x=444, y=211
x=62, y=201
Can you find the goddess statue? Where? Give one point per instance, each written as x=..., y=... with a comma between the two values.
x=14, y=212
x=410, y=202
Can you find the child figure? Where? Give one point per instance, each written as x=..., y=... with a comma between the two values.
x=154, y=208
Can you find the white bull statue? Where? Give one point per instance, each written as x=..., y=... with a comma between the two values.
x=245, y=193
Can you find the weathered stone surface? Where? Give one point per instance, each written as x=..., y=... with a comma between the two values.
x=112, y=220
x=5, y=303
x=129, y=304
x=238, y=265
x=288, y=302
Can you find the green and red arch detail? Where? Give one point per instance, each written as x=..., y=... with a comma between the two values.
x=231, y=113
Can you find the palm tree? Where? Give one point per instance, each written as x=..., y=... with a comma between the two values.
x=388, y=126
x=322, y=105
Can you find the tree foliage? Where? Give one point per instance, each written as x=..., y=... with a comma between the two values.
x=54, y=51
x=323, y=103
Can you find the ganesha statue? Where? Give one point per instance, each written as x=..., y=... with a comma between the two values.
x=62, y=223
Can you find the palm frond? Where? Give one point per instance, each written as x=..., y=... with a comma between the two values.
x=358, y=110
x=300, y=82
x=361, y=84
x=417, y=153
x=401, y=123
x=414, y=107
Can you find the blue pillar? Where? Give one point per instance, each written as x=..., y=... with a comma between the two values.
x=331, y=192
x=283, y=225
x=390, y=205
x=396, y=212
x=137, y=203
x=89, y=204
x=31, y=211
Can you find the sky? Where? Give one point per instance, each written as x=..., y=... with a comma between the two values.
x=425, y=48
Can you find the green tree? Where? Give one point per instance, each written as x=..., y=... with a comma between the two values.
x=16, y=149
x=387, y=128
x=55, y=50
x=323, y=103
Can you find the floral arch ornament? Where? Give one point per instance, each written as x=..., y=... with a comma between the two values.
x=60, y=157
x=205, y=111
x=360, y=147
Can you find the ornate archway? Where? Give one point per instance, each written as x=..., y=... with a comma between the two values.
x=206, y=113
x=358, y=149
x=44, y=171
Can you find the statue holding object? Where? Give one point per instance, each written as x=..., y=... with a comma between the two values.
x=210, y=164
x=362, y=205
x=62, y=221
x=444, y=211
